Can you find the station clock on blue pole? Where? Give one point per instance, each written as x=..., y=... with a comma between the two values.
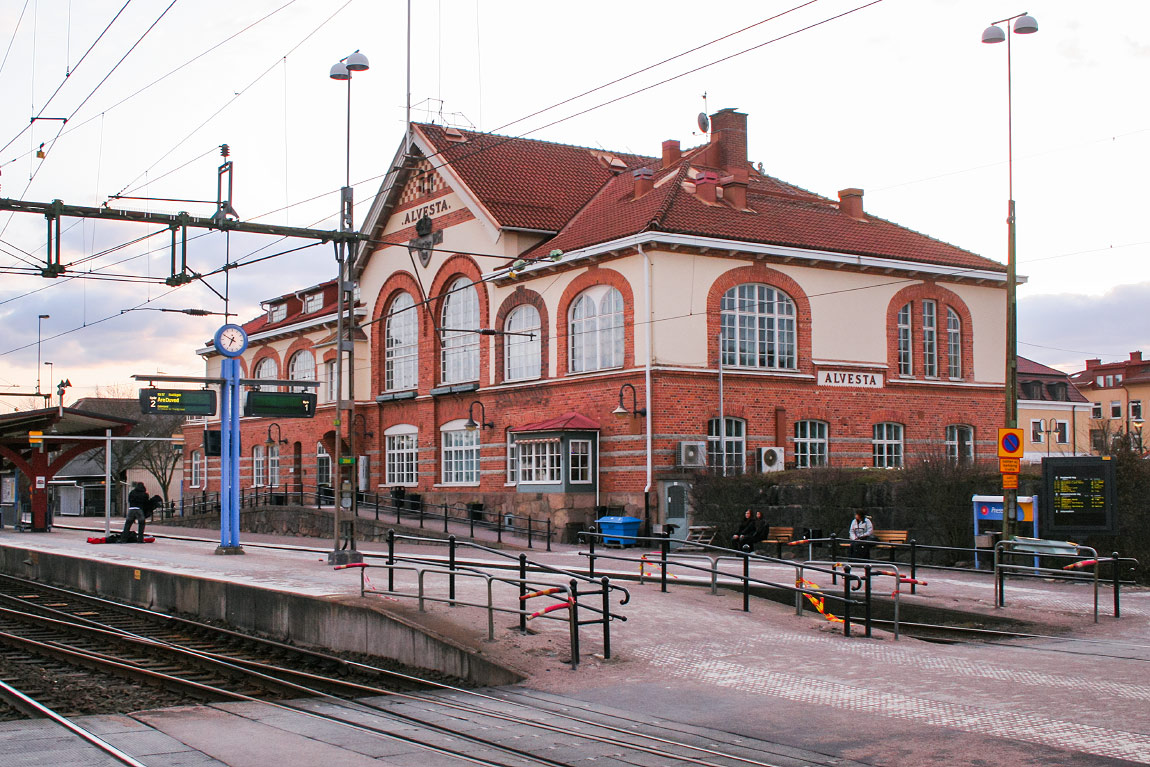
x=231, y=340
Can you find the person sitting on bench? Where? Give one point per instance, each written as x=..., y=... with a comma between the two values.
x=861, y=530
x=745, y=535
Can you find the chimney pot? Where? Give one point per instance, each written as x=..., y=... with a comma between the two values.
x=1136, y=356
x=735, y=190
x=851, y=203
x=671, y=153
x=706, y=186
x=644, y=181
x=1093, y=363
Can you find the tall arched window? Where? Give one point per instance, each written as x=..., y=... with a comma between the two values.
x=301, y=367
x=322, y=465
x=758, y=328
x=596, y=329
x=401, y=345
x=522, y=351
x=266, y=368
x=460, y=341
x=953, y=343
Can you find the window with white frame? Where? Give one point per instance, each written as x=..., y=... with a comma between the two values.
x=1036, y=431
x=274, y=466
x=540, y=461
x=258, y=466
x=757, y=328
x=731, y=434
x=1117, y=378
x=266, y=369
x=328, y=389
x=1096, y=410
x=596, y=329
x=953, y=344
x=197, y=469
x=322, y=465
x=401, y=345
x=460, y=339
x=1136, y=409
x=1062, y=432
x=460, y=455
x=1116, y=409
x=512, y=459
x=905, y=355
x=1109, y=382
x=960, y=443
x=930, y=339
x=402, y=459
x=313, y=303
x=580, y=462
x=810, y=444
x=301, y=367
x=886, y=446
x=277, y=312
x=523, y=344
x=1100, y=381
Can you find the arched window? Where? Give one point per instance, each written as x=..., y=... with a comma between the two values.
x=460, y=456
x=523, y=352
x=810, y=444
x=301, y=367
x=401, y=345
x=258, y=466
x=266, y=368
x=758, y=328
x=886, y=446
x=953, y=343
x=402, y=457
x=460, y=341
x=322, y=465
x=596, y=330
x=274, y=466
x=727, y=445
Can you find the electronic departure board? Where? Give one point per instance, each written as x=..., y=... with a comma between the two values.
x=178, y=401
x=280, y=404
x=1078, y=497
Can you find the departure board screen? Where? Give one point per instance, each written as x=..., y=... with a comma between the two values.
x=1078, y=497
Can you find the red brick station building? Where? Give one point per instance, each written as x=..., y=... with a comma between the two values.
x=701, y=313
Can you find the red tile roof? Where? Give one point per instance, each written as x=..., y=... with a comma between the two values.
x=533, y=184
x=566, y=422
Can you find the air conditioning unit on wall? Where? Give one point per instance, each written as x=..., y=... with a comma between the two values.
x=692, y=454
x=771, y=459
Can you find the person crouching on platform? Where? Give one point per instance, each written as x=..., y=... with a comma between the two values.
x=138, y=504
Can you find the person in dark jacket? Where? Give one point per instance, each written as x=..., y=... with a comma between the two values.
x=139, y=503
x=745, y=535
x=762, y=528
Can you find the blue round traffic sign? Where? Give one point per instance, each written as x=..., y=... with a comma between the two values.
x=1010, y=443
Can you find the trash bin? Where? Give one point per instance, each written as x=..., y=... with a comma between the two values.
x=620, y=531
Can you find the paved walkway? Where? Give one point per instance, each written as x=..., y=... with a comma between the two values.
x=1076, y=697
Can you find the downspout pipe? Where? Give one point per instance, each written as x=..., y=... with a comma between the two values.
x=647, y=380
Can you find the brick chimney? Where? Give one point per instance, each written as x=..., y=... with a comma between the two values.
x=729, y=131
x=1090, y=364
x=735, y=188
x=644, y=181
x=671, y=152
x=707, y=185
x=1136, y=356
x=851, y=203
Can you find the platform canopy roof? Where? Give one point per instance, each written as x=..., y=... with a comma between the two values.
x=14, y=427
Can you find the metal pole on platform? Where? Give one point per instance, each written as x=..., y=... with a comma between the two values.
x=107, y=482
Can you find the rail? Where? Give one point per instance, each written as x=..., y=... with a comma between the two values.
x=1037, y=550
x=593, y=587
x=852, y=582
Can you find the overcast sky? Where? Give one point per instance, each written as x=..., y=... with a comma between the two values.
x=899, y=98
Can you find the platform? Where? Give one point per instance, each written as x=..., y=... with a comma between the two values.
x=1075, y=695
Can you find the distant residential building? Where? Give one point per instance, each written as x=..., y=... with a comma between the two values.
x=1055, y=415
x=1117, y=392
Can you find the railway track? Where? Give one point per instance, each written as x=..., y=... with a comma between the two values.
x=70, y=634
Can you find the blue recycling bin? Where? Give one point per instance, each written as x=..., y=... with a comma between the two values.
x=620, y=531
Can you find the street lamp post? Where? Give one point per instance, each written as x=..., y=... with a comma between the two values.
x=51, y=375
x=39, y=322
x=1024, y=24
x=344, y=337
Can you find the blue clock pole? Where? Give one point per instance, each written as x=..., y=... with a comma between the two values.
x=231, y=341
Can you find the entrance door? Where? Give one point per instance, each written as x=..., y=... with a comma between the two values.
x=675, y=507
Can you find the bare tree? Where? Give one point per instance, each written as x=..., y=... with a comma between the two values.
x=157, y=458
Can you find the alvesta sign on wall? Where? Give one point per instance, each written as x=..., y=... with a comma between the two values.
x=850, y=378
x=431, y=209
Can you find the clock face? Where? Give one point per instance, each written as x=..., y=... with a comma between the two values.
x=231, y=340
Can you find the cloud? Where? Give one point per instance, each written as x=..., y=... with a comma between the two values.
x=1064, y=329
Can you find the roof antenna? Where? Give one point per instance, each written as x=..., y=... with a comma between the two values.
x=703, y=120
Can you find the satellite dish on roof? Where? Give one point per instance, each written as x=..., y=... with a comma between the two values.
x=704, y=122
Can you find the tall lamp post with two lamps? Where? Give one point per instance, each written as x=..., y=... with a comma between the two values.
x=344, y=335
x=1024, y=24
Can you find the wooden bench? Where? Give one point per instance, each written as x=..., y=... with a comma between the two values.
x=779, y=536
x=698, y=534
x=892, y=536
